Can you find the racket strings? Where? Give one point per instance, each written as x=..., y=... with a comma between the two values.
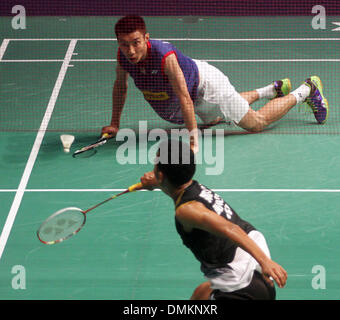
x=62, y=225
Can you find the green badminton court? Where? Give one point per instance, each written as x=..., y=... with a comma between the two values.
x=56, y=77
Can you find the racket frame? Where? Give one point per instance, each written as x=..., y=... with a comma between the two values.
x=92, y=146
x=53, y=216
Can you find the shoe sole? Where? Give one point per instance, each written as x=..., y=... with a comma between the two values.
x=318, y=84
x=289, y=86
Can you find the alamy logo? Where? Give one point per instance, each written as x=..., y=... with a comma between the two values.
x=319, y=20
x=19, y=20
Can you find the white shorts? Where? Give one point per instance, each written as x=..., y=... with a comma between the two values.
x=242, y=268
x=217, y=97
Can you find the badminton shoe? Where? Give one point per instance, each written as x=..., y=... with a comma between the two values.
x=282, y=87
x=316, y=100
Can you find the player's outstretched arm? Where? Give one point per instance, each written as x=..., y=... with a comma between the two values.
x=178, y=83
x=119, y=94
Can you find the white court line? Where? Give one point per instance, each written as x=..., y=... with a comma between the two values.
x=35, y=149
x=3, y=47
x=5, y=42
x=215, y=190
x=33, y=60
x=207, y=60
x=186, y=39
x=59, y=60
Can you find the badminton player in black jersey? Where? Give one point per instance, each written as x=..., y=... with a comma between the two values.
x=234, y=256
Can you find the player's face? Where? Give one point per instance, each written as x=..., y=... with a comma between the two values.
x=134, y=46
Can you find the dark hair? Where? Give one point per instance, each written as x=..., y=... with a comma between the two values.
x=177, y=161
x=130, y=24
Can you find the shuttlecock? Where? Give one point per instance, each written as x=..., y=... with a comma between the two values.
x=67, y=141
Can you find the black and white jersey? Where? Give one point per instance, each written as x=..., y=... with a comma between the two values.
x=213, y=252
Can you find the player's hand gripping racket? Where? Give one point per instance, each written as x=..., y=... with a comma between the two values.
x=92, y=146
x=67, y=222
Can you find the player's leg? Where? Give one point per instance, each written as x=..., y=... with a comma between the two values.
x=276, y=89
x=311, y=92
x=250, y=96
x=216, y=89
x=256, y=121
x=202, y=292
x=217, y=98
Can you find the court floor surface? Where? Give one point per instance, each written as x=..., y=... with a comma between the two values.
x=284, y=181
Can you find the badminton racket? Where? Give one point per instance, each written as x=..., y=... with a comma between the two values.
x=92, y=146
x=67, y=222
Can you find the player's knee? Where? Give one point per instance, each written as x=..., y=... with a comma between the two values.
x=257, y=127
x=254, y=123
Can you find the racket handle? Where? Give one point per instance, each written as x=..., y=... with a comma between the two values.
x=105, y=136
x=135, y=187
